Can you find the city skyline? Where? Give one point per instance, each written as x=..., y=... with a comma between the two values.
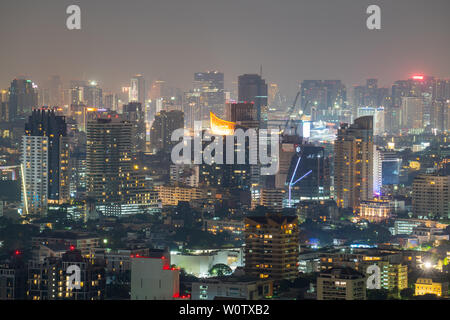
x=292, y=41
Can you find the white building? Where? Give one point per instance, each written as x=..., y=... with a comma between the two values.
x=35, y=164
x=154, y=279
x=199, y=264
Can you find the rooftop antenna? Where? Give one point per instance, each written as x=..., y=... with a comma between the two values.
x=260, y=70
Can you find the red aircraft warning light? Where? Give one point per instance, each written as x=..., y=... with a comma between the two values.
x=418, y=77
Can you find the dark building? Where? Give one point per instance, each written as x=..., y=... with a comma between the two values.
x=134, y=113
x=45, y=123
x=13, y=278
x=163, y=126
x=252, y=88
x=23, y=98
x=312, y=174
x=244, y=114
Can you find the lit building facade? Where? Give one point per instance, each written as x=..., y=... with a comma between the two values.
x=272, y=246
x=353, y=163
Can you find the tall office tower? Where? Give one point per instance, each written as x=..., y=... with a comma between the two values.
x=45, y=158
x=93, y=95
x=272, y=246
x=377, y=170
x=163, y=126
x=431, y=196
x=54, y=86
x=412, y=113
x=320, y=98
x=159, y=90
x=273, y=94
x=134, y=113
x=440, y=115
x=400, y=89
x=243, y=114
x=442, y=89
x=341, y=284
x=108, y=159
x=138, y=90
x=23, y=98
x=353, y=163
x=312, y=171
x=77, y=92
x=191, y=108
x=252, y=88
x=111, y=102
x=371, y=98
x=210, y=85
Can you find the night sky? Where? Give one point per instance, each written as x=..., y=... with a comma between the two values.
x=171, y=39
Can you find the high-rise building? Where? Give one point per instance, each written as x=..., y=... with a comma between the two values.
x=272, y=246
x=412, y=113
x=310, y=170
x=431, y=196
x=440, y=114
x=252, y=88
x=23, y=98
x=243, y=114
x=163, y=126
x=210, y=85
x=135, y=113
x=54, y=86
x=108, y=159
x=353, y=163
x=45, y=158
x=320, y=98
x=138, y=90
x=341, y=284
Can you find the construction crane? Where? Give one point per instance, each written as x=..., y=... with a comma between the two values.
x=289, y=113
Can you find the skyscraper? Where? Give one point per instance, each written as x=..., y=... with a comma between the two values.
x=23, y=98
x=134, y=112
x=353, y=163
x=108, y=159
x=412, y=113
x=138, y=91
x=163, y=126
x=45, y=157
x=252, y=88
x=210, y=85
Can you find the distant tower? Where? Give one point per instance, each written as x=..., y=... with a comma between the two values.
x=138, y=92
x=252, y=88
x=23, y=98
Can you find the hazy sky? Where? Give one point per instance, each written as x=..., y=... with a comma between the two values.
x=171, y=39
